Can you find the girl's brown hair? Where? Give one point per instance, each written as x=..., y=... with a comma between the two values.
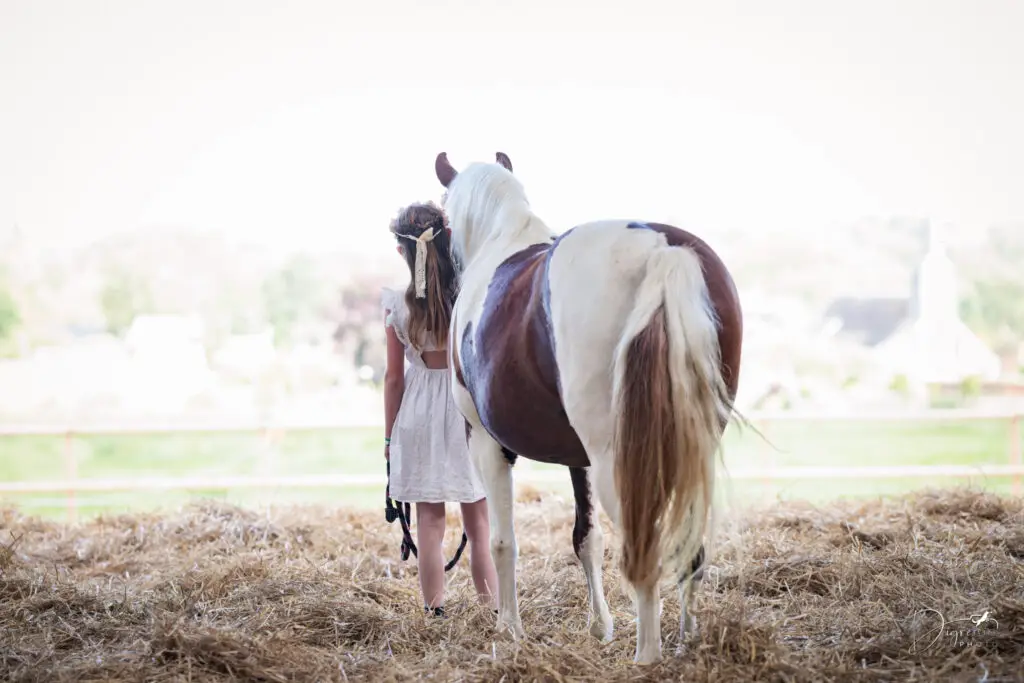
x=433, y=313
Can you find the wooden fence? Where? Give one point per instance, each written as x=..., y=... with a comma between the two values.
x=73, y=484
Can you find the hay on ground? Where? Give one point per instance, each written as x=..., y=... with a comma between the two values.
x=893, y=591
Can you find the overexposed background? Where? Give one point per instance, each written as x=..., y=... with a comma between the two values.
x=194, y=200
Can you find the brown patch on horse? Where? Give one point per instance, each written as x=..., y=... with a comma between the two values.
x=724, y=298
x=514, y=384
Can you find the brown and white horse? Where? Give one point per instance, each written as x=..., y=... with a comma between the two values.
x=612, y=349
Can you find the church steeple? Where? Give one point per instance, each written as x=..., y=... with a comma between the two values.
x=934, y=294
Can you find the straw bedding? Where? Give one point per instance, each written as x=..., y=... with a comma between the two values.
x=873, y=591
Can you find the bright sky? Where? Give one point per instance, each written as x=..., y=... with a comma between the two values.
x=310, y=123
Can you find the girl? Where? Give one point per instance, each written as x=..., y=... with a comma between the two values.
x=425, y=435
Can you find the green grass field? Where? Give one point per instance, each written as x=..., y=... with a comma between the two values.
x=359, y=451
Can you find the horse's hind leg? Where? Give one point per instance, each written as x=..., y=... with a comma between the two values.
x=588, y=542
x=689, y=586
x=647, y=601
x=496, y=472
x=648, y=624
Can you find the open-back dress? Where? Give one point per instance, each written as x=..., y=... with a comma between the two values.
x=430, y=460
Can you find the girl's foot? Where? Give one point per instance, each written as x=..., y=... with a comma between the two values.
x=437, y=611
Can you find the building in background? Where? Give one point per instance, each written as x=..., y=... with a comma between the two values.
x=921, y=337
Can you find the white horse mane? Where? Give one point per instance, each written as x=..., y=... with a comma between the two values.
x=484, y=203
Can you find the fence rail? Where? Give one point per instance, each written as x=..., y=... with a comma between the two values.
x=72, y=484
x=250, y=424
x=527, y=477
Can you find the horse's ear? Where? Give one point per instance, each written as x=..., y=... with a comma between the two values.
x=503, y=159
x=445, y=171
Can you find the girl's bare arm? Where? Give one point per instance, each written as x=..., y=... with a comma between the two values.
x=394, y=384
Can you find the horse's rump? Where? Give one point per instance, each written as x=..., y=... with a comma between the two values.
x=722, y=293
x=514, y=384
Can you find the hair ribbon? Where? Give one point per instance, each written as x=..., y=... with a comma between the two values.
x=421, y=259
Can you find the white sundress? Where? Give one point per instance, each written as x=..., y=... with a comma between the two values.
x=429, y=456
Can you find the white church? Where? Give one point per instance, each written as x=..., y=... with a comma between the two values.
x=921, y=337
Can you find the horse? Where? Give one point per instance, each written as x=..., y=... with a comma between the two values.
x=612, y=349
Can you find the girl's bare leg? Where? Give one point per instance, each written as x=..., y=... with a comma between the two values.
x=429, y=538
x=485, y=579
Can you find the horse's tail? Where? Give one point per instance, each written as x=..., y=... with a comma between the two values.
x=671, y=403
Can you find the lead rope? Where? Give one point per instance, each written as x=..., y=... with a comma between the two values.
x=393, y=510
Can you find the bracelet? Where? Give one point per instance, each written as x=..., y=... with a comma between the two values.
x=387, y=440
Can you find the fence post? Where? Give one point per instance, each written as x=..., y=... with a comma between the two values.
x=1015, y=455
x=71, y=475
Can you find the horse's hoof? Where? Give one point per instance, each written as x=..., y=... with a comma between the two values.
x=687, y=643
x=510, y=631
x=689, y=631
x=647, y=658
x=601, y=630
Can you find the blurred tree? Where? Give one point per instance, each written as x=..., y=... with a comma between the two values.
x=124, y=296
x=995, y=309
x=359, y=322
x=993, y=301
x=291, y=295
x=10, y=318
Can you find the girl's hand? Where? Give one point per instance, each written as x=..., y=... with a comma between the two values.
x=387, y=452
